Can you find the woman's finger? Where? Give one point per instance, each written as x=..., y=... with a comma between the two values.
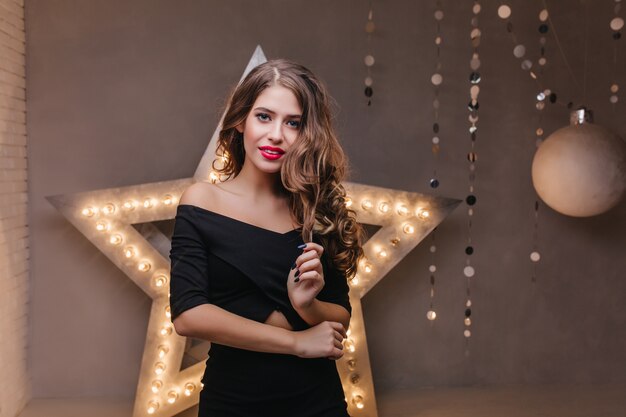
x=304, y=257
x=337, y=353
x=308, y=265
x=311, y=276
x=339, y=328
x=338, y=344
x=314, y=246
x=339, y=336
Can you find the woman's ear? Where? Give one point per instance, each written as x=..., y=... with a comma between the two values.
x=239, y=128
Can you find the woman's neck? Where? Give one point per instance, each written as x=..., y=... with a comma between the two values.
x=259, y=185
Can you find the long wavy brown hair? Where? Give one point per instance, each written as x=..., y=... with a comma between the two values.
x=312, y=170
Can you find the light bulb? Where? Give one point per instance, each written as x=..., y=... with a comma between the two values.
x=366, y=204
x=108, y=209
x=403, y=210
x=172, y=396
x=168, y=199
x=129, y=251
x=144, y=266
x=408, y=229
x=348, y=201
x=357, y=400
x=152, y=407
x=160, y=280
x=383, y=207
x=88, y=211
x=355, y=378
x=166, y=330
x=148, y=202
x=129, y=205
x=115, y=239
x=102, y=226
x=368, y=267
x=431, y=315
x=214, y=177
x=467, y=321
x=467, y=333
x=189, y=388
x=352, y=364
x=157, y=384
x=168, y=312
x=354, y=280
x=159, y=368
x=163, y=351
x=382, y=253
x=349, y=345
x=423, y=213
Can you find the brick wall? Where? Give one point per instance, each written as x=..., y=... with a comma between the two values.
x=14, y=252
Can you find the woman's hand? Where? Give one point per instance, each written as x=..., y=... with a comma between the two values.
x=324, y=340
x=306, y=280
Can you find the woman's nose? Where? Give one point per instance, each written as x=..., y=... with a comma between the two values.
x=276, y=131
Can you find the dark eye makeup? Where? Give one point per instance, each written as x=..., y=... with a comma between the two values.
x=264, y=117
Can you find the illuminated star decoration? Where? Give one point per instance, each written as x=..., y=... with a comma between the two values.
x=106, y=217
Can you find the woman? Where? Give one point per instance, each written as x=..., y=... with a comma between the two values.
x=260, y=262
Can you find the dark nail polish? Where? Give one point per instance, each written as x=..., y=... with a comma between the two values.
x=296, y=280
x=293, y=266
x=302, y=246
x=297, y=273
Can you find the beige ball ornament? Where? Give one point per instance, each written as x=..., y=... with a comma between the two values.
x=580, y=170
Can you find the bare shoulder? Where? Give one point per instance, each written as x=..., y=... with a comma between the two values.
x=201, y=194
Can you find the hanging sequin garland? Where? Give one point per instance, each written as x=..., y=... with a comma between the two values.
x=616, y=25
x=370, y=27
x=472, y=157
x=535, y=256
x=436, y=80
x=519, y=51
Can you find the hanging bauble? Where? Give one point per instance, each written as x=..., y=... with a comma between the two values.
x=580, y=170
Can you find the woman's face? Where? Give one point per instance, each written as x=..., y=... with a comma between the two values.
x=271, y=128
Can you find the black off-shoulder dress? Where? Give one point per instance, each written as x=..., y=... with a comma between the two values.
x=243, y=269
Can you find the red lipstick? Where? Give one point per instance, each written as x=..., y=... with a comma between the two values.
x=271, y=153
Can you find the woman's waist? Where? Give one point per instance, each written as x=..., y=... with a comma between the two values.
x=265, y=376
x=236, y=359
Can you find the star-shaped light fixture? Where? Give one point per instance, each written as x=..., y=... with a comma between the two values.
x=106, y=217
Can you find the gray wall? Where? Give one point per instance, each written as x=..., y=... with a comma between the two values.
x=122, y=93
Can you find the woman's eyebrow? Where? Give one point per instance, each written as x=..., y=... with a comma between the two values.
x=265, y=109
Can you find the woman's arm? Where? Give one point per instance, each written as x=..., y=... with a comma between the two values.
x=319, y=311
x=213, y=323
x=318, y=293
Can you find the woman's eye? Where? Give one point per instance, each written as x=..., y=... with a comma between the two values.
x=263, y=117
x=294, y=123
